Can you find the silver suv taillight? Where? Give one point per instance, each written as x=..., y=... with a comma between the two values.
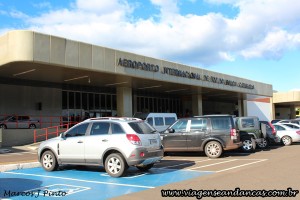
x=134, y=139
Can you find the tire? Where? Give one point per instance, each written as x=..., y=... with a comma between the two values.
x=213, y=149
x=32, y=126
x=248, y=145
x=264, y=144
x=2, y=126
x=286, y=140
x=115, y=165
x=145, y=167
x=48, y=161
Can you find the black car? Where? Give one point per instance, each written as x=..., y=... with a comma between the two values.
x=211, y=134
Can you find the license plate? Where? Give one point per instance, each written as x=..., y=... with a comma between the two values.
x=153, y=141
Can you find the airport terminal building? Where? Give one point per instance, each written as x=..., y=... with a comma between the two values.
x=45, y=75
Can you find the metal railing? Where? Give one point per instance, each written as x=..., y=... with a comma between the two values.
x=50, y=132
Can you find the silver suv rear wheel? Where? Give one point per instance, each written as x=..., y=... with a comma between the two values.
x=213, y=149
x=115, y=165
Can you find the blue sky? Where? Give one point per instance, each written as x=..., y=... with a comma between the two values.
x=254, y=39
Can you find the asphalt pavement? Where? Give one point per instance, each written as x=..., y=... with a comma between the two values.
x=18, y=157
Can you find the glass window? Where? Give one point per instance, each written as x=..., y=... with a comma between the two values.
x=180, y=126
x=169, y=120
x=84, y=101
x=100, y=128
x=71, y=100
x=279, y=128
x=114, y=102
x=64, y=100
x=77, y=100
x=108, y=102
x=77, y=130
x=116, y=129
x=141, y=127
x=103, y=102
x=221, y=123
x=198, y=124
x=150, y=121
x=159, y=121
x=247, y=123
x=91, y=101
x=97, y=101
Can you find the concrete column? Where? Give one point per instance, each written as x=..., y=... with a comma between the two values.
x=197, y=105
x=273, y=109
x=293, y=112
x=245, y=109
x=240, y=108
x=134, y=103
x=124, y=102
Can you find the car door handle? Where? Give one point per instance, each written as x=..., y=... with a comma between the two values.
x=105, y=140
x=80, y=141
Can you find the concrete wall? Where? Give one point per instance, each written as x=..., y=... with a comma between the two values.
x=262, y=110
x=283, y=113
x=26, y=100
x=20, y=137
x=16, y=137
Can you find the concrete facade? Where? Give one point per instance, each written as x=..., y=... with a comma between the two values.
x=54, y=61
x=285, y=104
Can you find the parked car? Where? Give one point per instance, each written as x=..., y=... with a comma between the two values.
x=251, y=134
x=212, y=134
x=274, y=121
x=18, y=121
x=115, y=143
x=271, y=132
x=160, y=121
x=296, y=121
x=291, y=125
x=293, y=121
x=287, y=135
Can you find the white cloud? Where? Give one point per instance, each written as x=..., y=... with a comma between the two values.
x=263, y=28
x=273, y=45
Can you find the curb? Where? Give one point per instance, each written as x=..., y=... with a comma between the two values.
x=8, y=167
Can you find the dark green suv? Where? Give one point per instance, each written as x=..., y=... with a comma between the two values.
x=210, y=133
x=251, y=133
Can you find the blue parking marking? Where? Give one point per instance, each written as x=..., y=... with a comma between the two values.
x=36, y=183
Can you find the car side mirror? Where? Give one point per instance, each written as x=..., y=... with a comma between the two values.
x=170, y=130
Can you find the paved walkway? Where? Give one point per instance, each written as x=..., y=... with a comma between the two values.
x=18, y=157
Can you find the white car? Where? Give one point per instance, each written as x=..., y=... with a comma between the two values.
x=287, y=135
x=115, y=143
x=291, y=125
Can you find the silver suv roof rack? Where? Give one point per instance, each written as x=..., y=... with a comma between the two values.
x=114, y=118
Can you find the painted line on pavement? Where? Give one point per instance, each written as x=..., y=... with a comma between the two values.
x=86, y=181
x=213, y=164
x=241, y=165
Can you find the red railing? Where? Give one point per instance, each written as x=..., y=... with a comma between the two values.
x=49, y=132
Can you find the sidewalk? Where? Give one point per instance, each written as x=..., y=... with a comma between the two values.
x=18, y=157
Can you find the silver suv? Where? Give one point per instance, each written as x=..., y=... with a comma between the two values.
x=115, y=143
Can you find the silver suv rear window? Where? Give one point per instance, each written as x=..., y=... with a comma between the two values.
x=141, y=127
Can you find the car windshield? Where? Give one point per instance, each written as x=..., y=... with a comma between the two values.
x=141, y=127
x=5, y=118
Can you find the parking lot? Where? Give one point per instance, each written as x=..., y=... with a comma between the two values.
x=275, y=168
